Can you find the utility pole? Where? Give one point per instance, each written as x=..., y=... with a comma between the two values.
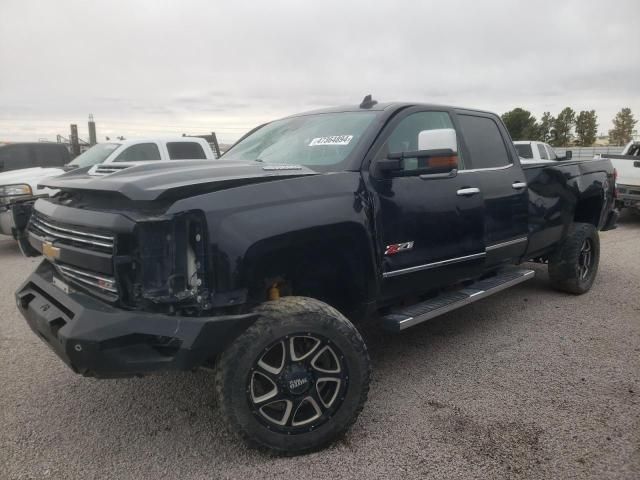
x=92, y=131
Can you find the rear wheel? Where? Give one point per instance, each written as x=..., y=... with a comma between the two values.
x=296, y=379
x=573, y=267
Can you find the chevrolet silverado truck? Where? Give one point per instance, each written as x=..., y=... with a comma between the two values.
x=20, y=188
x=258, y=265
x=627, y=166
x=538, y=151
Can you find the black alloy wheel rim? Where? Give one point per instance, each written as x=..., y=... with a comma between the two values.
x=585, y=259
x=297, y=383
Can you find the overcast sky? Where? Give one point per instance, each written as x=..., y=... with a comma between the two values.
x=173, y=67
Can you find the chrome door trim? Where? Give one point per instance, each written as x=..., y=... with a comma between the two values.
x=506, y=244
x=427, y=266
x=504, y=167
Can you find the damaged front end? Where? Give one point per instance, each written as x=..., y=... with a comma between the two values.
x=168, y=269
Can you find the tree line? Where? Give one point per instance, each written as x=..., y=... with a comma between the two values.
x=567, y=127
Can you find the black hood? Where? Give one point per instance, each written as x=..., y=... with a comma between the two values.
x=160, y=180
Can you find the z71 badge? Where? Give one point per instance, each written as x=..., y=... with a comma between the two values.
x=397, y=248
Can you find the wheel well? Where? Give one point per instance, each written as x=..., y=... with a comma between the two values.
x=588, y=211
x=335, y=270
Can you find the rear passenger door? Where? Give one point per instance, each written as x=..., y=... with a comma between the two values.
x=502, y=184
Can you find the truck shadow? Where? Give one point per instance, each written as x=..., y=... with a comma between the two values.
x=629, y=219
x=9, y=247
x=178, y=411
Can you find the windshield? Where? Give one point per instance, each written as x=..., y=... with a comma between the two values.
x=524, y=150
x=316, y=141
x=96, y=154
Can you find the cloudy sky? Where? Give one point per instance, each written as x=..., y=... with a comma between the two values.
x=172, y=67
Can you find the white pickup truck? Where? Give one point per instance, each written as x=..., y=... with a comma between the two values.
x=539, y=151
x=19, y=188
x=627, y=166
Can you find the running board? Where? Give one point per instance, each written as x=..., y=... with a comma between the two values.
x=405, y=317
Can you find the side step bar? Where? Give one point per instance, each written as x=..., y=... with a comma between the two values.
x=408, y=316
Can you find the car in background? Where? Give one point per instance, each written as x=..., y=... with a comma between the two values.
x=21, y=156
x=20, y=188
x=627, y=166
x=539, y=151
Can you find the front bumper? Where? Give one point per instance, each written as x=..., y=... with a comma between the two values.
x=98, y=340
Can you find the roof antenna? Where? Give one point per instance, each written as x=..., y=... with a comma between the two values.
x=368, y=102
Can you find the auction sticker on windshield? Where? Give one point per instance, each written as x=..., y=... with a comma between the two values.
x=333, y=140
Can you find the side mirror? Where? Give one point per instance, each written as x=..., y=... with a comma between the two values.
x=437, y=153
x=441, y=139
x=568, y=155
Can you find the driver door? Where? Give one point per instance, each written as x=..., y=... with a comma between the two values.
x=430, y=226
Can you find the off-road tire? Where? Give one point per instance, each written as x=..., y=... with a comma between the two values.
x=565, y=264
x=279, y=319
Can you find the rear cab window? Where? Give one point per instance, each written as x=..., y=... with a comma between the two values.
x=484, y=141
x=552, y=152
x=542, y=151
x=185, y=151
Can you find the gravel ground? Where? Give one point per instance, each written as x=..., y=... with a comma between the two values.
x=529, y=383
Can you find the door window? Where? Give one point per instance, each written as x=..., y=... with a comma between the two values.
x=543, y=152
x=552, y=153
x=484, y=141
x=142, y=152
x=185, y=151
x=404, y=137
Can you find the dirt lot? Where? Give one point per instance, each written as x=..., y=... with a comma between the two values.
x=529, y=383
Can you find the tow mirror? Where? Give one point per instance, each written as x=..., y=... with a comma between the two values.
x=437, y=153
x=568, y=155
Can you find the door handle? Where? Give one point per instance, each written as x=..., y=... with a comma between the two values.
x=519, y=185
x=467, y=192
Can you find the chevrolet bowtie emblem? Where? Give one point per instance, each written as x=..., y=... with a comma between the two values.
x=49, y=251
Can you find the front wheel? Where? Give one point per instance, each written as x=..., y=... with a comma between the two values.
x=296, y=379
x=573, y=267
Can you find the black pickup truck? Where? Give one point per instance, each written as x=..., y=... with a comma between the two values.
x=391, y=213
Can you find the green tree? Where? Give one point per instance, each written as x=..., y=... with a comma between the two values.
x=521, y=124
x=545, y=127
x=562, y=126
x=586, y=127
x=623, y=125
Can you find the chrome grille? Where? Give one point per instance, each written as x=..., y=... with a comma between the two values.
x=70, y=234
x=99, y=282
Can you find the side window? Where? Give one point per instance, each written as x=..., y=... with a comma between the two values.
x=484, y=141
x=542, y=151
x=185, y=151
x=404, y=137
x=143, y=152
x=552, y=152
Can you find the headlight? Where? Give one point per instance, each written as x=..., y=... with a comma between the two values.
x=8, y=192
x=15, y=190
